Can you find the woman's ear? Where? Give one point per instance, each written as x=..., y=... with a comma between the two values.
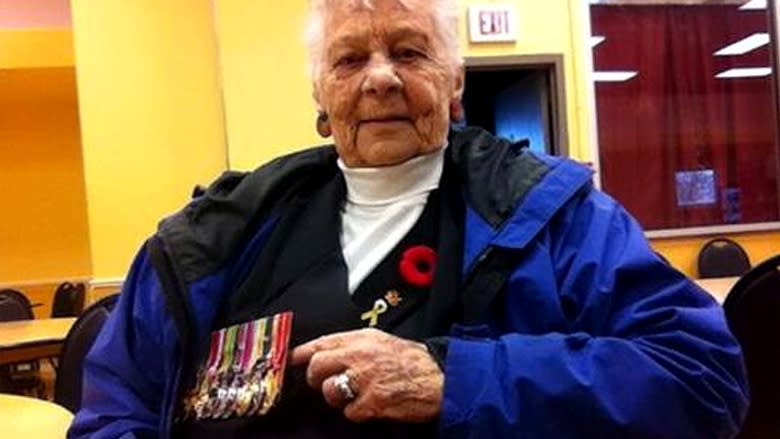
x=459, y=82
x=322, y=123
x=315, y=94
x=456, y=101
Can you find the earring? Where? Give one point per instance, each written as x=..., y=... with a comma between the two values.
x=456, y=111
x=323, y=125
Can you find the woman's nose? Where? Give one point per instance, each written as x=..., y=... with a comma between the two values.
x=381, y=78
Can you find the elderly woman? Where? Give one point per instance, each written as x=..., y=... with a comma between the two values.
x=407, y=282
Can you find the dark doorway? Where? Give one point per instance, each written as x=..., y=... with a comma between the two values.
x=515, y=102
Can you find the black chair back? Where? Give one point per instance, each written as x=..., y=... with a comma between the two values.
x=18, y=378
x=198, y=191
x=68, y=300
x=67, y=387
x=722, y=257
x=752, y=308
x=11, y=310
x=21, y=309
x=662, y=258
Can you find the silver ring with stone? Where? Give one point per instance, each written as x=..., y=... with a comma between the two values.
x=342, y=382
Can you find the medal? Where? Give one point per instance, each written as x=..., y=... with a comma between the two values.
x=256, y=368
x=282, y=325
x=224, y=373
x=234, y=372
x=244, y=396
x=204, y=405
x=393, y=298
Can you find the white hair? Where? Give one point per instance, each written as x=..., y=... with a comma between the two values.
x=445, y=18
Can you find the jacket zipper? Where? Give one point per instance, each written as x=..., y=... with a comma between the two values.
x=473, y=268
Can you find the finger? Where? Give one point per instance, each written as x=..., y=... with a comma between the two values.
x=324, y=364
x=360, y=410
x=334, y=397
x=303, y=353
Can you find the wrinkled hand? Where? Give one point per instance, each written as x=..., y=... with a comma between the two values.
x=394, y=379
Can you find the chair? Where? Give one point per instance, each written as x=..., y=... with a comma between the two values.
x=68, y=300
x=19, y=378
x=722, y=257
x=67, y=386
x=662, y=258
x=11, y=310
x=21, y=300
x=751, y=309
x=198, y=191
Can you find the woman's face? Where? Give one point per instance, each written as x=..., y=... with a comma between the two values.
x=386, y=82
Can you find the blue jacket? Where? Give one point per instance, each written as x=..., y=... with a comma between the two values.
x=593, y=336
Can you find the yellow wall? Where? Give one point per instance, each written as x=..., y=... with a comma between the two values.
x=151, y=116
x=35, y=48
x=43, y=221
x=268, y=104
x=267, y=93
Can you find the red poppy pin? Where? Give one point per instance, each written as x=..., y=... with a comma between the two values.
x=417, y=266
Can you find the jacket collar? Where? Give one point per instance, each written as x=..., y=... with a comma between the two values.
x=510, y=193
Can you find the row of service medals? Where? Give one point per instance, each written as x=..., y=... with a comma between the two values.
x=245, y=370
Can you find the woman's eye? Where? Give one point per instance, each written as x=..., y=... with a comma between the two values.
x=408, y=55
x=349, y=60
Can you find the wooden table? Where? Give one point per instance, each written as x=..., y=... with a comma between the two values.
x=29, y=418
x=718, y=287
x=27, y=340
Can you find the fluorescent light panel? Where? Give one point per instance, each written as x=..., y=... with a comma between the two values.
x=595, y=40
x=750, y=72
x=753, y=5
x=613, y=76
x=745, y=45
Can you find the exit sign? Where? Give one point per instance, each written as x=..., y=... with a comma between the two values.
x=492, y=23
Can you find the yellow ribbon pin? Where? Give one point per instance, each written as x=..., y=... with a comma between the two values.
x=380, y=306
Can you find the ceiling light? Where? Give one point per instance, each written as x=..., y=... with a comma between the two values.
x=613, y=76
x=595, y=40
x=745, y=45
x=750, y=72
x=753, y=5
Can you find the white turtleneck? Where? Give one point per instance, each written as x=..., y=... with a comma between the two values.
x=382, y=206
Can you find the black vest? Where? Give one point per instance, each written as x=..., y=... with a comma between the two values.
x=301, y=269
